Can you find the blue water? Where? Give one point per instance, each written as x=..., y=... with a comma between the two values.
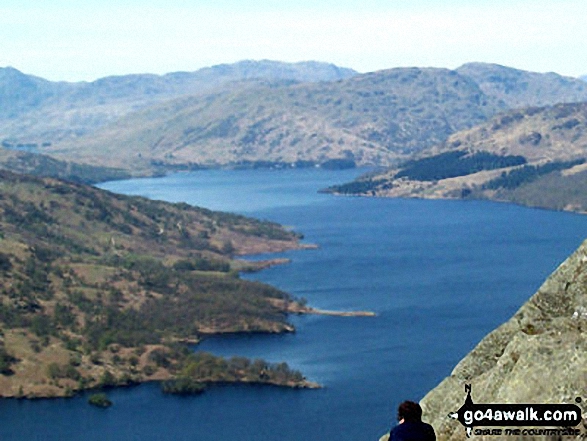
x=439, y=274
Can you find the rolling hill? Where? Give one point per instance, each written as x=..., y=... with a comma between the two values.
x=550, y=172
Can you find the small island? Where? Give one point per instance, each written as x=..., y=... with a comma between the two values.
x=100, y=400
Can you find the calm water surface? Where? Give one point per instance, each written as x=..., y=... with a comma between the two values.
x=439, y=274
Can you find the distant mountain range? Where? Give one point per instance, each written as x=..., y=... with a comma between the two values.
x=264, y=111
x=32, y=108
x=371, y=119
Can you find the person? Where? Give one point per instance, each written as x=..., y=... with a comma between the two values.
x=411, y=427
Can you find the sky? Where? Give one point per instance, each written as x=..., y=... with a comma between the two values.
x=74, y=40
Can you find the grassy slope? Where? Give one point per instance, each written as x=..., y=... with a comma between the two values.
x=92, y=283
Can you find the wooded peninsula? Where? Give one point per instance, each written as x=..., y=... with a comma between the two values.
x=102, y=290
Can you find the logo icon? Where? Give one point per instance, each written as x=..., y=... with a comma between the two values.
x=507, y=415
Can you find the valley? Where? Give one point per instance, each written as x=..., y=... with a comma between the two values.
x=101, y=290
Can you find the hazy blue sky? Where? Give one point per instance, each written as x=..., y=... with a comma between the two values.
x=85, y=40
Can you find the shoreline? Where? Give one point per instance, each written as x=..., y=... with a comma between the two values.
x=452, y=198
x=304, y=384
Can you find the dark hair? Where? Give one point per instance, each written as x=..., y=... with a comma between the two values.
x=409, y=411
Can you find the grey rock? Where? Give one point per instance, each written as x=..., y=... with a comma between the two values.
x=538, y=356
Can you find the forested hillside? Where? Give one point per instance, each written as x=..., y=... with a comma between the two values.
x=534, y=156
x=98, y=289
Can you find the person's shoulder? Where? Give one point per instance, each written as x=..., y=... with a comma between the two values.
x=417, y=424
x=412, y=430
x=428, y=428
x=427, y=425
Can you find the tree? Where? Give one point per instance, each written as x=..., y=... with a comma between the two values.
x=100, y=400
x=5, y=264
x=227, y=248
x=6, y=361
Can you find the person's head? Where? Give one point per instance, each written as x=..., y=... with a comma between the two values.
x=409, y=411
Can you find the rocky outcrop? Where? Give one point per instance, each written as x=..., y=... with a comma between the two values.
x=538, y=356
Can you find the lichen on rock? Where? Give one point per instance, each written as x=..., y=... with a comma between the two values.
x=538, y=356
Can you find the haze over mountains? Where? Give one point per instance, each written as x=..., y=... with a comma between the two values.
x=370, y=118
x=517, y=88
x=265, y=111
x=59, y=109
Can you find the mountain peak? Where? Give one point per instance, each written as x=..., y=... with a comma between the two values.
x=9, y=73
x=519, y=88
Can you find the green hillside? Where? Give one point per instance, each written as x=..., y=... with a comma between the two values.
x=99, y=289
